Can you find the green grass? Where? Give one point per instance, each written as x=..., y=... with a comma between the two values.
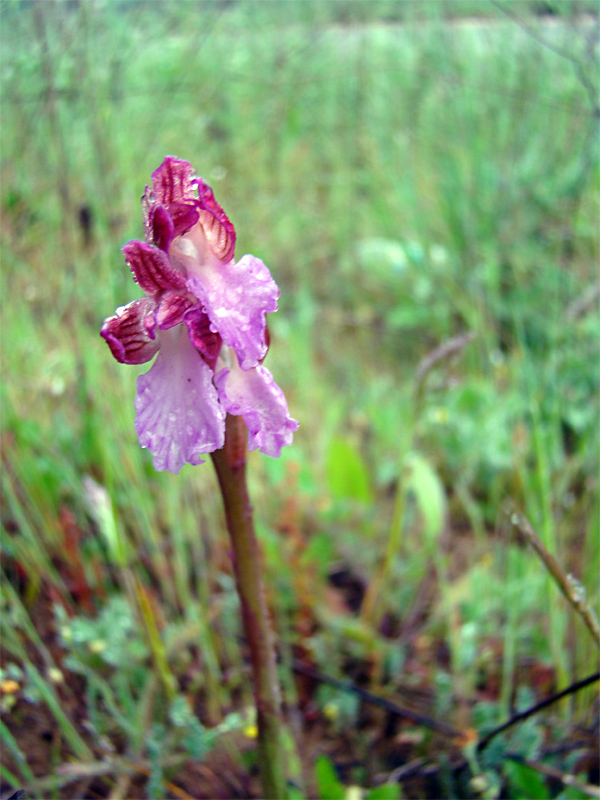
x=405, y=183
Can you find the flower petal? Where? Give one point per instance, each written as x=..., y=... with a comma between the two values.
x=130, y=332
x=255, y=395
x=184, y=216
x=172, y=307
x=161, y=228
x=205, y=340
x=164, y=224
x=236, y=297
x=151, y=268
x=173, y=181
x=218, y=230
x=178, y=410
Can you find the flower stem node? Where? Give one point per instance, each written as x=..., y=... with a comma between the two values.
x=204, y=314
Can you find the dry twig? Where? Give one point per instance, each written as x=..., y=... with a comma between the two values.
x=529, y=712
x=382, y=702
x=569, y=586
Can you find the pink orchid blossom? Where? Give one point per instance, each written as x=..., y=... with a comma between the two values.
x=204, y=314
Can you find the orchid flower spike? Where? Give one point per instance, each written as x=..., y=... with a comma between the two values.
x=204, y=314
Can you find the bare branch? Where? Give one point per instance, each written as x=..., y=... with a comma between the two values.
x=523, y=715
x=570, y=587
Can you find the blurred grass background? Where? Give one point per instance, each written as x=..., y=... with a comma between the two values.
x=410, y=172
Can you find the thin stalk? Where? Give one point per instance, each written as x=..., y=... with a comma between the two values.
x=370, y=611
x=140, y=600
x=230, y=466
x=571, y=588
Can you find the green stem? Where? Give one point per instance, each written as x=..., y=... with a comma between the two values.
x=230, y=466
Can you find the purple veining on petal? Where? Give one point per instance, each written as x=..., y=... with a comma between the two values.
x=255, y=395
x=236, y=296
x=184, y=216
x=178, y=414
x=205, y=340
x=130, y=332
x=162, y=227
x=173, y=181
x=166, y=223
x=172, y=307
x=218, y=229
x=186, y=267
x=152, y=268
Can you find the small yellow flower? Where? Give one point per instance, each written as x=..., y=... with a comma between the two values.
x=440, y=415
x=9, y=686
x=251, y=731
x=55, y=675
x=8, y=702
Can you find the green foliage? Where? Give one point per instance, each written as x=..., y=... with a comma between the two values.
x=422, y=481
x=156, y=787
x=8, y=741
x=503, y=760
x=113, y=637
x=329, y=786
x=525, y=781
x=405, y=183
x=347, y=473
x=196, y=740
x=387, y=791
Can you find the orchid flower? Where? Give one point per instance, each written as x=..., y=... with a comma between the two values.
x=204, y=315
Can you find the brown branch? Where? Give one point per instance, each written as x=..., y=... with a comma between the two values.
x=568, y=585
x=444, y=351
x=583, y=303
x=230, y=466
x=529, y=712
x=373, y=699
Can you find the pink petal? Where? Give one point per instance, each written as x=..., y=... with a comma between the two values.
x=184, y=216
x=161, y=227
x=218, y=230
x=165, y=223
x=172, y=307
x=130, y=332
x=236, y=296
x=255, y=395
x=205, y=340
x=178, y=414
x=173, y=181
x=151, y=268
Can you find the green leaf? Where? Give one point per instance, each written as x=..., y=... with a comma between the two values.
x=101, y=508
x=573, y=792
x=525, y=781
x=387, y=791
x=347, y=473
x=428, y=490
x=382, y=255
x=328, y=785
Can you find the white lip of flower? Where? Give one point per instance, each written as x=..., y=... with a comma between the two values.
x=225, y=359
x=186, y=247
